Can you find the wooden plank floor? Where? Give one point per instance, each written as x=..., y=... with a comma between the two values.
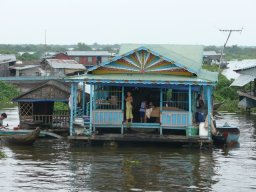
x=142, y=137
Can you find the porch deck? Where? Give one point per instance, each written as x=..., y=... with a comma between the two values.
x=144, y=138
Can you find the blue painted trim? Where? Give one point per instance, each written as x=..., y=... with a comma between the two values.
x=83, y=98
x=139, y=82
x=91, y=98
x=71, y=109
x=209, y=104
x=176, y=87
x=189, y=106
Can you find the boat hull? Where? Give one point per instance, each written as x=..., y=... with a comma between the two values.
x=27, y=139
x=226, y=135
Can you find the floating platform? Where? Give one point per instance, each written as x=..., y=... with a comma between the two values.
x=143, y=138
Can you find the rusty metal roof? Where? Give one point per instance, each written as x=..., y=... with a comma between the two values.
x=64, y=64
x=88, y=53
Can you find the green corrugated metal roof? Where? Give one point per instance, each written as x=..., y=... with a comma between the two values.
x=190, y=56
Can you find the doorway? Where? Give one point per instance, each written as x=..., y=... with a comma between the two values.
x=140, y=94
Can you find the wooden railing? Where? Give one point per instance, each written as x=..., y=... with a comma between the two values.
x=54, y=121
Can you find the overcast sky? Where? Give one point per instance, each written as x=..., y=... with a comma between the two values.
x=127, y=21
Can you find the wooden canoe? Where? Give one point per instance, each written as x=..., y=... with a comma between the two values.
x=27, y=139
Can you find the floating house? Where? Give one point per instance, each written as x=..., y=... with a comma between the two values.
x=60, y=68
x=19, y=70
x=36, y=107
x=87, y=58
x=169, y=77
x=247, y=98
x=6, y=61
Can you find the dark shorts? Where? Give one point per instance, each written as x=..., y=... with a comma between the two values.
x=142, y=114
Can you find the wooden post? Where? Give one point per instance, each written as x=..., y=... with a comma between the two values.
x=209, y=104
x=161, y=109
x=83, y=99
x=189, y=109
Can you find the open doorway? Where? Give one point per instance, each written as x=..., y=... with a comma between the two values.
x=150, y=95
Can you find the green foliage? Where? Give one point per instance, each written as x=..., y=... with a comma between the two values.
x=229, y=105
x=223, y=91
x=213, y=68
x=59, y=106
x=2, y=155
x=7, y=92
x=29, y=57
x=82, y=47
x=234, y=52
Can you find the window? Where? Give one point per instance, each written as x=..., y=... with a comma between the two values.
x=98, y=60
x=107, y=97
x=175, y=99
x=89, y=59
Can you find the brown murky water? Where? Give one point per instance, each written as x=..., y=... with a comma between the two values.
x=53, y=165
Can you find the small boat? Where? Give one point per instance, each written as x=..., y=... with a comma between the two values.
x=22, y=139
x=226, y=134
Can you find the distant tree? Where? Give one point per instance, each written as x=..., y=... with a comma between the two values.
x=82, y=47
x=7, y=92
x=107, y=48
x=29, y=57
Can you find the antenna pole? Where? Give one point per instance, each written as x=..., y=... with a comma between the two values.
x=45, y=43
x=224, y=46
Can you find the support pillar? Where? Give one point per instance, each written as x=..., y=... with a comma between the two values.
x=161, y=109
x=91, y=103
x=71, y=106
x=83, y=99
x=209, y=105
x=75, y=99
x=122, y=126
x=189, y=109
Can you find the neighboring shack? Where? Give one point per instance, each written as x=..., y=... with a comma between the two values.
x=247, y=76
x=36, y=107
x=87, y=58
x=60, y=68
x=6, y=61
x=26, y=70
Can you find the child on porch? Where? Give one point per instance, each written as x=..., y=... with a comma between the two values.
x=129, y=101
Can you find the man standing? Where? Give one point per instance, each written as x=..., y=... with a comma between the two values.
x=2, y=117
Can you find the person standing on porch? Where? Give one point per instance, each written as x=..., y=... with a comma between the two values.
x=199, y=109
x=129, y=101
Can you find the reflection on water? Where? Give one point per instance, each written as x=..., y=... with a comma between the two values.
x=52, y=165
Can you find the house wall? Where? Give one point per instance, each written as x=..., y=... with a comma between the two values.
x=62, y=56
x=28, y=72
x=81, y=59
x=4, y=70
